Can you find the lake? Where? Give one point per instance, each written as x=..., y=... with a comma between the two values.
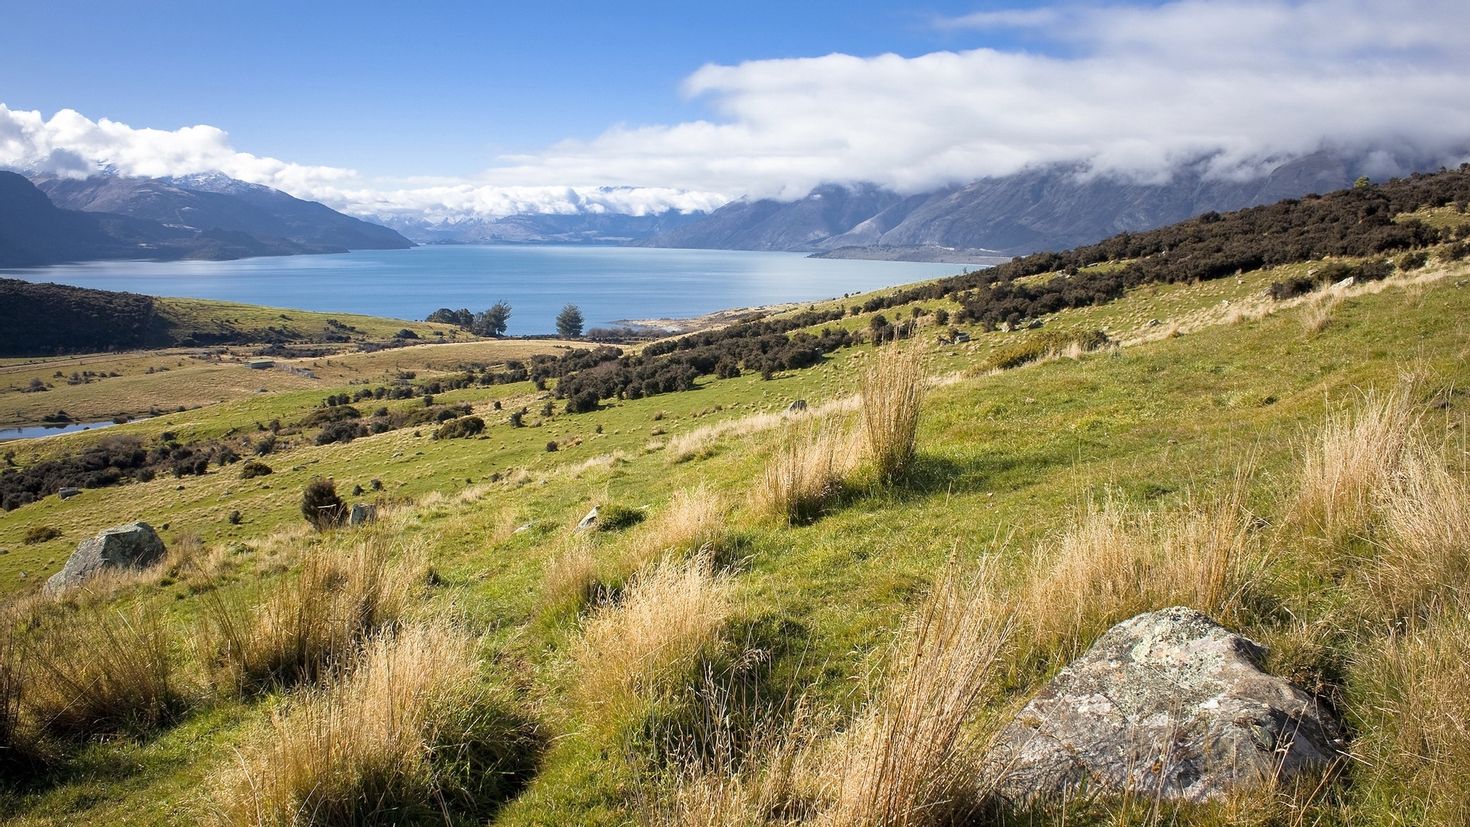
x=607, y=283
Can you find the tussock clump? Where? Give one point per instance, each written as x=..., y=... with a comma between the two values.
x=572, y=577
x=806, y=472
x=892, y=392
x=101, y=670
x=911, y=757
x=1411, y=693
x=1318, y=308
x=694, y=519
x=1424, y=553
x=668, y=622
x=397, y=734
x=1113, y=564
x=1351, y=459
x=315, y=616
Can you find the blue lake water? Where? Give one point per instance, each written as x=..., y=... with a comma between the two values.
x=607, y=283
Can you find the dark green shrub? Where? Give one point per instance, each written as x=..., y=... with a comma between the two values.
x=464, y=427
x=253, y=469
x=1041, y=344
x=321, y=506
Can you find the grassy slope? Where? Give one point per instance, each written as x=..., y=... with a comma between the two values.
x=1005, y=458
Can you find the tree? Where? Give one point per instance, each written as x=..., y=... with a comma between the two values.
x=569, y=322
x=492, y=322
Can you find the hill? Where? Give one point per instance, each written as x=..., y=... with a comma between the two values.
x=216, y=202
x=42, y=319
x=774, y=618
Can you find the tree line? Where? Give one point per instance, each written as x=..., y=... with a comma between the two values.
x=493, y=321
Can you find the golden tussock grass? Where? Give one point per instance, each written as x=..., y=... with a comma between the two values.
x=1318, y=308
x=572, y=577
x=1423, y=550
x=315, y=615
x=892, y=393
x=652, y=642
x=911, y=758
x=376, y=744
x=1350, y=459
x=1414, y=747
x=694, y=519
x=100, y=670
x=807, y=471
x=1112, y=564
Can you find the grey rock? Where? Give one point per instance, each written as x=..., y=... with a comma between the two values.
x=588, y=521
x=131, y=546
x=797, y=406
x=362, y=513
x=68, y=492
x=1168, y=703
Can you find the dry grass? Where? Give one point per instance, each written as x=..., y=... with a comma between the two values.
x=101, y=670
x=807, y=471
x=653, y=641
x=911, y=758
x=1113, y=564
x=694, y=519
x=572, y=577
x=1351, y=459
x=1318, y=308
x=376, y=745
x=892, y=392
x=1424, y=553
x=315, y=616
x=1414, y=749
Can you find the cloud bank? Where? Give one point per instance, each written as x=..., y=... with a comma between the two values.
x=1123, y=90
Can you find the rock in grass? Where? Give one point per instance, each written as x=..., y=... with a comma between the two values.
x=132, y=546
x=588, y=521
x=1168, y=703
x=362, y=513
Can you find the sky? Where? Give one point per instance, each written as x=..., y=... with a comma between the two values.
x=446, y=109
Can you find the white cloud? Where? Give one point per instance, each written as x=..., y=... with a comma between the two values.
x=1129, y=90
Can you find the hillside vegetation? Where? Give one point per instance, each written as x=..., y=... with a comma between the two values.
x=785, y=614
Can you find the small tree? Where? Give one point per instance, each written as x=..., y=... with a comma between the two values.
x=569, y=322
x=493, y=321
x=321, y=506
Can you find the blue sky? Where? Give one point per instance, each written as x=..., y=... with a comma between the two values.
x=313, y=81
x=445, y=110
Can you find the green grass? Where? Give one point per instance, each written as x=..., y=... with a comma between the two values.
x=1003, y=460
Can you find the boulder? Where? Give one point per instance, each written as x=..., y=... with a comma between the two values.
x=1168, y=703
x=796, y=407
x=131, y=546
x=362, y=513
x=68, y=492
x=588, y=521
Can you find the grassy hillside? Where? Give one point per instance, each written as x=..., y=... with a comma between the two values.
x=724, y=649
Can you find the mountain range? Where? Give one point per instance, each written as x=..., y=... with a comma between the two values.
x=1039, y=209
x=55, y=220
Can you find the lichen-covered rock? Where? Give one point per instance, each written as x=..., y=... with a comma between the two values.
x=131, y=546
x=1166, y=704
x=588, y=521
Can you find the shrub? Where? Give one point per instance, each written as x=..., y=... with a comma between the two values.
x=344, y=431
x=892, y=390
x=321, y=506
x=40, y=534
x=583, y=402
x=551, y=446
x=102, y=670
x=461, y=428
x=399, y=733
x=252, y=469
